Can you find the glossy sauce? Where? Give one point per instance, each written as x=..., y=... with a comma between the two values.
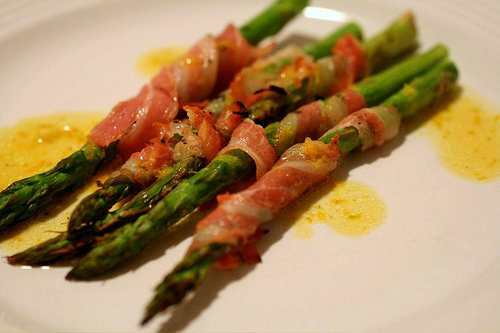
x=466, y=136
x=35, y=145
x=149, y=64
x=349, y=208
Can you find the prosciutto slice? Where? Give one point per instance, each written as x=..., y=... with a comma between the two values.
x=193, y=77
x=338, y=72
x=374, y=125
x=313, y=119
x=236, y=219
x=229, y=119
x=235, y=54
x=195, y=72
x=349, y=48
x=263, y=72
x=158, y=107
x=251, y=138
x=210, y=140
x=131, y=121
x=145, y=166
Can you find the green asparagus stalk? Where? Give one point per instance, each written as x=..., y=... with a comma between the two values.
x=183, y=169
x=224, y=170
x=192, y=270
x=186, y=276
x=96, y=205
x=272, y=20
x=24, y=198
x=380, y=46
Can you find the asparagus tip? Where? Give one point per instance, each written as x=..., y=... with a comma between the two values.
x=409, y=17
x=12, y=260
x=186, y=276
x=77, y=273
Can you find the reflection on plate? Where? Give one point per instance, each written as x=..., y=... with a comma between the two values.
x=433, y=265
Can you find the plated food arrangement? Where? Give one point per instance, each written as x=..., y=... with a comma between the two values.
x=226, y=137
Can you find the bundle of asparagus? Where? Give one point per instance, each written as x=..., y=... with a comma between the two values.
x=24, y=198
x=397, y=39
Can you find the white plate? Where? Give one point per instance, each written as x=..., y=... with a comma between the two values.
x=433, y=266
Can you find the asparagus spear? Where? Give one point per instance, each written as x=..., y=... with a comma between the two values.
x=224, y=170
x=96, y=205
x=272, y=20
x=191, y=271
x=82, y=235
x=25, y=197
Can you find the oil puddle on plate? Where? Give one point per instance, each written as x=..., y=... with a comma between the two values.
x=150, y=63
x=35, y=145
x=350, y=208
x=466, y=137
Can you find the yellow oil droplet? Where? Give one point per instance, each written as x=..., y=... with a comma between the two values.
x=350, y=208
x=33, y=146
x=466, y=136
x=150, y=63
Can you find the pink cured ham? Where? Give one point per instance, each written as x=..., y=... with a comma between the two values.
x=191, y=78
x=229, y=119
x=158, y=107
x=131, y=121
x=195, y=72
x=342, y=104
x=338, y=72
x=350, y=48
x=251, y=138
x=310, y=122
x=307, y=121
x=145, y=166
x=355, y=101
x=148, y=164
x=236, y=219
x=210, y=140
x=261, y=73
x=374, y=125
x=212, y=63
x=235, y=54
x=313, y=119
x=268, y=86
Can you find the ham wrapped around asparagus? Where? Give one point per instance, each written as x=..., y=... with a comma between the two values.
x=193, y=77
x=237, y=217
